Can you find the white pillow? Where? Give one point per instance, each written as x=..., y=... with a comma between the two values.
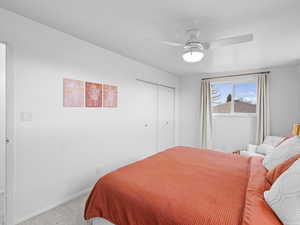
x=272, y=140
x=283, y=152
x=284, y=196
x=264, y=149
x=246, y=153
x=251, y=148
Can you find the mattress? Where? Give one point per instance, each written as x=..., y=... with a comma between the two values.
x=184, y=186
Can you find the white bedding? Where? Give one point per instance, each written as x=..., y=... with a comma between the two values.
x=99, y=221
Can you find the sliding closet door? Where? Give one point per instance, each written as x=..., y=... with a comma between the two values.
x=166, y=124
x=147, y=117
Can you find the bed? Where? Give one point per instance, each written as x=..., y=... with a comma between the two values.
x=184, y=186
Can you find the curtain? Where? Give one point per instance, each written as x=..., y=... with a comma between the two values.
x=262, y=109
x=205, y=115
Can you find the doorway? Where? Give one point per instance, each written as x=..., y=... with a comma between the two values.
x=2, y=134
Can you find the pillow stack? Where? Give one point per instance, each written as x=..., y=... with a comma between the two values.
x=269, y=144
x=273, y=174
x=284, y=196
x=284, y=176
x=283, y=152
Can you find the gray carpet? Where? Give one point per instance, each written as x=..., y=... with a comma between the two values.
x=70, y=213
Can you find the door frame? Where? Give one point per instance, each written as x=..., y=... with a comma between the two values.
x=3, y=129
x=10, y=134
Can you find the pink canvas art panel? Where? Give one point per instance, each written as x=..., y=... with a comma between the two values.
x=110, y=96
x=73, y=93
x=93, y=94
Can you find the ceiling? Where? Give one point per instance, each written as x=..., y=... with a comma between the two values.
x=130, y=28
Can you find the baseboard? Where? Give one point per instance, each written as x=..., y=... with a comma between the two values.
x=64, y=201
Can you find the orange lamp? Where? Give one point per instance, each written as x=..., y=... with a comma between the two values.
x=296, y=129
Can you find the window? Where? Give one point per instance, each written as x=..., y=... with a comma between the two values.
x=221, y=98
x=234, y=97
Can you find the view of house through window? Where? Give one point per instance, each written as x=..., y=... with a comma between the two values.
x=233, y=98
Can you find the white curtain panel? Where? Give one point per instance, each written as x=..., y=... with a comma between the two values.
x=205, y=115
x=262, y=108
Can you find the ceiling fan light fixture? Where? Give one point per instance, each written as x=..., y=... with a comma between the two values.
x=192, y=55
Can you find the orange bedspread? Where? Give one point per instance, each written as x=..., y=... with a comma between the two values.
x=184, y=186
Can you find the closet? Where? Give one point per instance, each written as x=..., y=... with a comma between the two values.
x=165, y=118
x=157, y=116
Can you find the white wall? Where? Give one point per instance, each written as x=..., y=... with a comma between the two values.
x=189, y=132
x=59, y=153
x=285, y=99
x=284, y=109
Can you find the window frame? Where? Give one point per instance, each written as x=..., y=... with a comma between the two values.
x=233, y=82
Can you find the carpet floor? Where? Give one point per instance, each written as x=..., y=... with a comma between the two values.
x=70, y=213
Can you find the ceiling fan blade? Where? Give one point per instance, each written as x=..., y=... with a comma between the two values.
x=231, y=41
x=170, y=43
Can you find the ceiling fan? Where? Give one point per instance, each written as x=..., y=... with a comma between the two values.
x=194, y=47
